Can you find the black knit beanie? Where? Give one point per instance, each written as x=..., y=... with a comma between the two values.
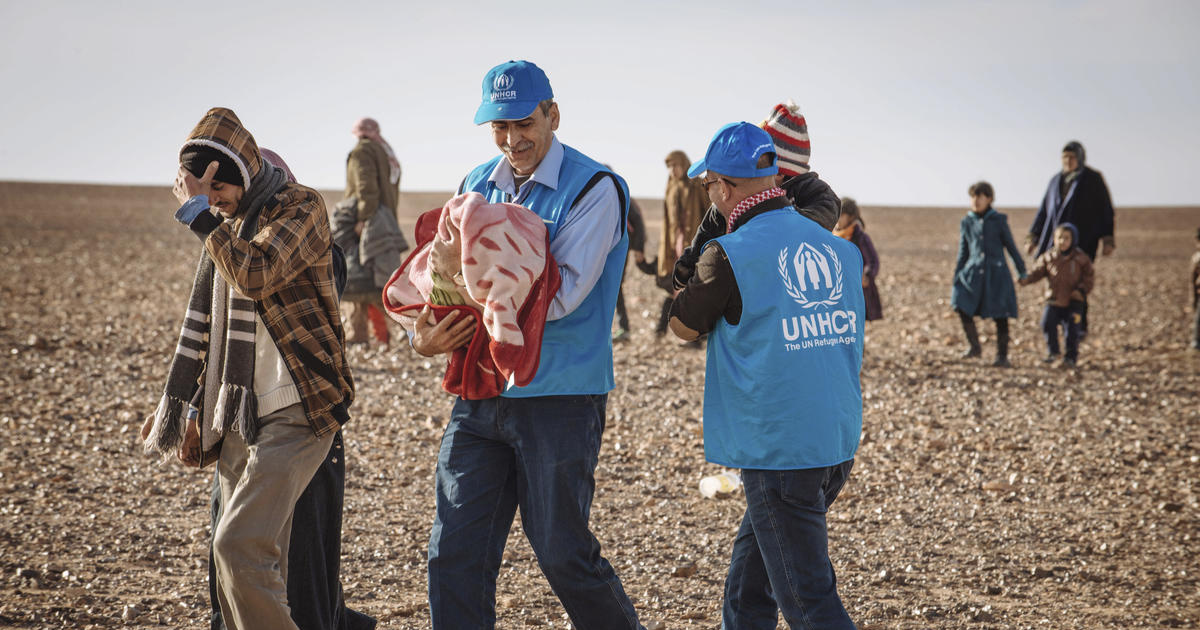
x=197, y=158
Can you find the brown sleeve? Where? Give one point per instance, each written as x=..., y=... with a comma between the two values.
x=365, y=174
x=285, y=245
x=1038, y=272
x=712, y=293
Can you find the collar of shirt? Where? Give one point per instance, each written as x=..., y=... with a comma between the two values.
x=748, y=203
x=546, y=172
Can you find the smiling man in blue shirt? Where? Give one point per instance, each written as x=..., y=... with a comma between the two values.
x=533, y=447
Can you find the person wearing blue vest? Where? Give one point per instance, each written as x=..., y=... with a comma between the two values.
x=781, y=300
x=534, y=447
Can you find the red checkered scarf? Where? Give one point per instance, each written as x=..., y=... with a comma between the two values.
x=750, y=202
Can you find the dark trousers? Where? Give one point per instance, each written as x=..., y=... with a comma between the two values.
x=968, y=325
x=622, y=314
x=1068, y=317
x=780, y=559
x=538, y=455
x=314, y=585
x=1196, y=327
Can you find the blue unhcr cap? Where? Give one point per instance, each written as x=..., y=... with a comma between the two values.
x=511, y=91
x=734, y=152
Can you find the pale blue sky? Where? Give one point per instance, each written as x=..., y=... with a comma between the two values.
x=907, y=102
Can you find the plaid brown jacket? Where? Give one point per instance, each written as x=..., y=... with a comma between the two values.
x=287, y=269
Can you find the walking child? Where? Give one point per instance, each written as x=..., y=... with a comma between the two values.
x=983, y=285
x=1068, y=272
x=850, y=226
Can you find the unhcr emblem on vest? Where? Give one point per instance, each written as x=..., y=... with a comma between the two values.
x=502, y=88
x=816, y=284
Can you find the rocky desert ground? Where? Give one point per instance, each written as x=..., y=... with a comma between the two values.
x=1030, y=497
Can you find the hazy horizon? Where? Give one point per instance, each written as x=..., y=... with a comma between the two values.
x=906, y=104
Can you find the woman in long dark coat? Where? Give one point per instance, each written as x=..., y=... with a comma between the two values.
x=983, y=285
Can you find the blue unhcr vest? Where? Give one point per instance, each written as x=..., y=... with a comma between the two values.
x=781, y=389
x=577, y=353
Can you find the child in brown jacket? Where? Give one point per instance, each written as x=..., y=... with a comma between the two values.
x=1068, y=272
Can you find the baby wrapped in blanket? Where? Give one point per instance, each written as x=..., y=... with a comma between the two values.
x=507, y=281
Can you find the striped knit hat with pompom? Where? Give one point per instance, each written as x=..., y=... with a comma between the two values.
x=790, y=132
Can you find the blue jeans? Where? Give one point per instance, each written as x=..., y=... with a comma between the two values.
x=538, y=455
x=781, y=553
x=1069, y=317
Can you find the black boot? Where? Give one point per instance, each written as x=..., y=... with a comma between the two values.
x=1001, y=344
x=663, y=317
x=968, y=325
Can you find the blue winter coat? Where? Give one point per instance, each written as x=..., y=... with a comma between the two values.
x=983, y=284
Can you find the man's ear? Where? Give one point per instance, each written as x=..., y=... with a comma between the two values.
x=553, y=117
x=726, y=189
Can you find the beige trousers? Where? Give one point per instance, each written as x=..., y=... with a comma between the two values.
x=260, y=484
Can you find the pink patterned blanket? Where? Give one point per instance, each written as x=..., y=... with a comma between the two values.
x=510, y=278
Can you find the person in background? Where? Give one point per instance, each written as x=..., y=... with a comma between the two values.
x=1068, y=273
x=850, y=226
x=781, y=403
x=636, y=227
x=683, y=206
x=983, y=285
x=314, y=588
x=1077, y=195
x=364, y=225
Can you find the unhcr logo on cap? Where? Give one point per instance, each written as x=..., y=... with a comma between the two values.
x=502, y=88
x=512, y=91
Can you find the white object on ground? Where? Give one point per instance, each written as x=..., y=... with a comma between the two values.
x=723, y=483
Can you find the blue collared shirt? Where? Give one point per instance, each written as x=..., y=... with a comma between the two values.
x=577, y=247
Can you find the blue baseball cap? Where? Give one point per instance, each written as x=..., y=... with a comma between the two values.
x=511, y=91
x=734, y=152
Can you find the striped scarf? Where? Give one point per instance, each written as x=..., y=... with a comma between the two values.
x=216, y=311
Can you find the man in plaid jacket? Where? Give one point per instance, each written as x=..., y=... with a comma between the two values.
x=259, y=381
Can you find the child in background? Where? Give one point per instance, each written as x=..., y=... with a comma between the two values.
x=1068, y=272
x=850, y=226
x=983, y=285
x=1196, y=294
